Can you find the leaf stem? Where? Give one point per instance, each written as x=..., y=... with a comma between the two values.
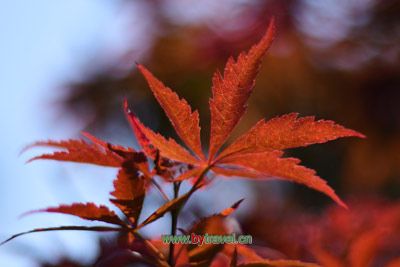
x=175, y=212
x=174, y=224
x=159, y=188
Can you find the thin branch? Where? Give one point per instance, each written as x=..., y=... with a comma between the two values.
x=157, y=185
x=69, y=228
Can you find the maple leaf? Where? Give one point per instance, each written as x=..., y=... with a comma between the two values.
x=87, y=211
x=230, y=94
x=257, y=153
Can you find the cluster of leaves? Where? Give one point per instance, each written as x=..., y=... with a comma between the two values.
x=257, y=154
x=367, y=236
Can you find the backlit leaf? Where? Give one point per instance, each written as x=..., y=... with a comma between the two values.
x=231, y=90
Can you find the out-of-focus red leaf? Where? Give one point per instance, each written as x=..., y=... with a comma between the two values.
x=129, y=191
x=325, y=258
x=181, y=259
x=87, y=211
x=81, y=152
x=247, y=253
x=394, y=263
x=272, y=165
x=249, y=257
x=364, y=247
x=231, y=90
x=287, y=131
x=179, y=112
x=203, y=255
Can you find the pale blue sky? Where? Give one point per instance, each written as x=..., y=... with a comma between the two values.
x=44, y=43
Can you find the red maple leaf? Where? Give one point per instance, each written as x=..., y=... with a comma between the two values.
x=257, y=154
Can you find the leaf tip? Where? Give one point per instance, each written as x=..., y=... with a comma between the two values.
x=338, y=201
x=237, y=203
x=27, y=213
x=32, y=159
x=125, y=105
x=232, y=208
x=359, y=135
x=143, y=70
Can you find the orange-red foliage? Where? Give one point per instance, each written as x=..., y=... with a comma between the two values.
x=257, y=154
